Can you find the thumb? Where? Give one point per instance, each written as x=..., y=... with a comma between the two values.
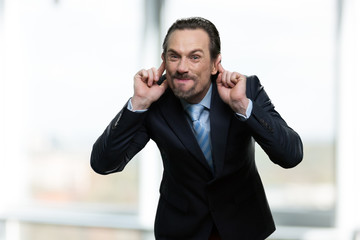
x=220, y=67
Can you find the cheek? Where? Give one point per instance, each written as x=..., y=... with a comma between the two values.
x=170, y=67
x=204, y=74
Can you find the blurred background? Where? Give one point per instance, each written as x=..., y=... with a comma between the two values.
x=66, y=69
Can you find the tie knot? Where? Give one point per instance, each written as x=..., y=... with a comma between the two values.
x=194, y=111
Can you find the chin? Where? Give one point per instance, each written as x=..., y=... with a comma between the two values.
x=186, y=95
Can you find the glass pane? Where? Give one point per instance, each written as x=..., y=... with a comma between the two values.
x=77, y=59
x=292, y=188
x=30, y=231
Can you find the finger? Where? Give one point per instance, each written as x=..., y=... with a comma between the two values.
x=235, y=78
x=165, y=84
x=241, y=77
x=222, y=75
x=229, y=77
x=151, y=73
x=219, y=78
x=161, y=70
x=224, y=78
x=143, y=75
x=220, y=68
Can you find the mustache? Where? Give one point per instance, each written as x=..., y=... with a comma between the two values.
x=183, y=76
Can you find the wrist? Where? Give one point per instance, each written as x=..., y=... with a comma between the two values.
x=240, y=106
x=139, y=103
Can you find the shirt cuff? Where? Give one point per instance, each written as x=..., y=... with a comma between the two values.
x=130, y=108
x=248, y=110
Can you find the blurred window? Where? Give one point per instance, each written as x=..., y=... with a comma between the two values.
x=69, y=69
x=291, y=50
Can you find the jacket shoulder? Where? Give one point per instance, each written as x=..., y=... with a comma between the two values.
x=253, y=86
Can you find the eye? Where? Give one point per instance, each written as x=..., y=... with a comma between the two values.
x=195, y=57
x=173, y=57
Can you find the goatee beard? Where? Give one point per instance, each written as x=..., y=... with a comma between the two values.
x=186, y=95
x=178, y=91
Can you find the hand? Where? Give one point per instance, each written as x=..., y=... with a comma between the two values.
x=146, y=89
x=232, y=89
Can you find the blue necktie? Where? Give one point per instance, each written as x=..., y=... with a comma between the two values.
x=202, y=136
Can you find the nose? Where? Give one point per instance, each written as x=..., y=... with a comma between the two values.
x=183, y=66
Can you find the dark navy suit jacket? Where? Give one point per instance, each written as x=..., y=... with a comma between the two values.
x=192, y=198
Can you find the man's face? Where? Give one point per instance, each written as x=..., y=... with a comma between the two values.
x=188, y=64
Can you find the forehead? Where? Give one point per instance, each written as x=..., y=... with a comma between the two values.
x=189, y=40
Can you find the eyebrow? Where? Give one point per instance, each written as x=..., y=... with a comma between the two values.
x=192, y=52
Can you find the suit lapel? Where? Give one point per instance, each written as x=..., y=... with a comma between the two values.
x=173, y=113
x=220, y=116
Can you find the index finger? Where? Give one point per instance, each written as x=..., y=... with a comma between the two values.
x=220, y=68
x=161, y=69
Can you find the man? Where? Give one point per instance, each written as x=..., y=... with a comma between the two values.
x=210, y=187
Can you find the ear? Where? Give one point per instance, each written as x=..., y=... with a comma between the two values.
x=215, y=67
x=163, y=57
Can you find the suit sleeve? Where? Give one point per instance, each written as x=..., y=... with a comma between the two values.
x=281, y=143
x=123, y=138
